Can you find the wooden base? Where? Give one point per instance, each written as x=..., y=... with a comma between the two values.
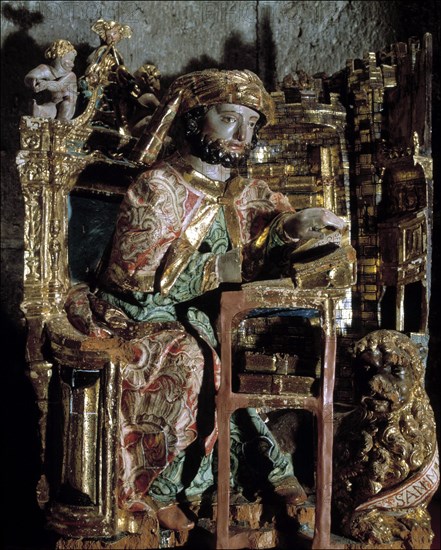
x=252, y=525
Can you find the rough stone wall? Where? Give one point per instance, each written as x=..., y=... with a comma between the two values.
x=175, y=35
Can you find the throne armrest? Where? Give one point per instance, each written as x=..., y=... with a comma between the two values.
x=73, y=349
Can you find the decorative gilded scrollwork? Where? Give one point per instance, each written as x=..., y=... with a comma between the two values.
x=32, y=141
x=32, y=234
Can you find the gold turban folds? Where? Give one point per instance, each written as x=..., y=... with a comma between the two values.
x=203, y=88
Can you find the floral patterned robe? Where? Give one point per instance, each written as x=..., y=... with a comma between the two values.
x=172, y=224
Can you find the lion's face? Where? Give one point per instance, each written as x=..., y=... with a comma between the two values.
x=384, y=378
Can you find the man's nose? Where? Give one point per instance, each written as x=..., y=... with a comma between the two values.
x=241, y=132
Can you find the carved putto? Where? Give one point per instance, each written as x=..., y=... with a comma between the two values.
x=138, y=96
x=106, y=58
x=386, y=456
x=58, y=79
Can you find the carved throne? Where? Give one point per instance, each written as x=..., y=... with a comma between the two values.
x=58, y=176
x=65, y=167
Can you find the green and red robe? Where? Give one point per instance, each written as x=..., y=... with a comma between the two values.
x=161, y=273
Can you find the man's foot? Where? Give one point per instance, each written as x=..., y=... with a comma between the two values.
x=290, y=491
x=173, y=518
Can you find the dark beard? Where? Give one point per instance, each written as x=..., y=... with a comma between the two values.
x=215, y=152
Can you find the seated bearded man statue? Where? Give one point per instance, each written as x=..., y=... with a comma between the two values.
x=187, y=226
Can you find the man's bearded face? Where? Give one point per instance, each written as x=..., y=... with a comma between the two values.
x=226, y=135
x=218, y=152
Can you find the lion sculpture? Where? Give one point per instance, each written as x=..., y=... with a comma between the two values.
x=386, y=464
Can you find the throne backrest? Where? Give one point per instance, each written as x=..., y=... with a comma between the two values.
x=71, y=196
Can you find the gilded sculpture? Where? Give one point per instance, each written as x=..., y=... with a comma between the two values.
x=138, y=96
x=386, y=456
x=119, y=99
x=116, y=344
x=99, y=85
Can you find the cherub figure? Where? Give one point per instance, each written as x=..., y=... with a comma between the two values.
x=105, y=59
x=138, y=96
x=58, y=79
x=100, y=76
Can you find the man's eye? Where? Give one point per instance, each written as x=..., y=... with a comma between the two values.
x=228, y=119
x=252, y=124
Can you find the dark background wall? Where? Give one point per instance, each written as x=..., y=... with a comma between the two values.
x=272, y=38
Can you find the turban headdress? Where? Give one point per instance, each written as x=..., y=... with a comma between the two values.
x=202, y=88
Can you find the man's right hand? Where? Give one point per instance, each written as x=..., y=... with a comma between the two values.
x=40, y=85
